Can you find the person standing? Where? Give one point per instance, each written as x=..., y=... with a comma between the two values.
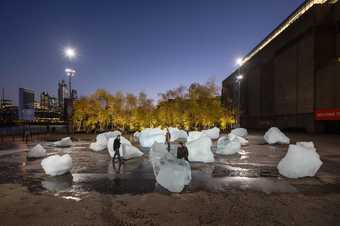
x=168, y=138
x=182, y=152
x=116, y=147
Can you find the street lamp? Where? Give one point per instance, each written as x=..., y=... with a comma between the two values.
x=70, y=53
x=70, y=73
x=239, y=77
x=239, y=61
x=238, y=80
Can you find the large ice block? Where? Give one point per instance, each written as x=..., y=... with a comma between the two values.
x=212, y=133
x=241, y=132
x=37, y=151
x=151, y=135
x=194, y=135
x=200, y=150
x=126, y=150
x=57, y=165
x=225, y=146
x=173, y=173
x=65, y=142
x=177, y=134
x=275, y=136
x=299, y=161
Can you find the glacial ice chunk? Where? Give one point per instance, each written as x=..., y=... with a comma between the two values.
x=236, y=138
x=194, y=135
x=299, y=161
x=126, y=150
x=173, y=173
x=225, y=146
x=65, y=142
x=200, y=150
x=157, y=152
x=97, y=146
x=213, y=133
x=151, y=135
x=241, y=132
x=57, y=165
x=274, y=136
x=306, y=144
x=177, y=134
x=37, y=151
x=170, y=172
x=102, y=139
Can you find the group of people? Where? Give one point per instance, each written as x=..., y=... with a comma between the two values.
x=182, y=150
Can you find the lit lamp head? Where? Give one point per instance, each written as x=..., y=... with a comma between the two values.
x=239, y=78
x=239, y=61
x=70, y=72
x=70, y=53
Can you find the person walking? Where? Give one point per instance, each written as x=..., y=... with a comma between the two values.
x=116, y=147
x=168, y=138
x=182, y=152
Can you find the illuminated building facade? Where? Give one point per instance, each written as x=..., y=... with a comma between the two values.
x=292, y=78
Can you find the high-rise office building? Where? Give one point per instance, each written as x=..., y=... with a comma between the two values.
x=74, y=94
x=26, y=104
x=63, y=93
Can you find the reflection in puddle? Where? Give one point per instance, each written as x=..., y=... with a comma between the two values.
x=58, y=183
x=77, y=199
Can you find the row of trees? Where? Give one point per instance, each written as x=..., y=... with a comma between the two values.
x=195, y=107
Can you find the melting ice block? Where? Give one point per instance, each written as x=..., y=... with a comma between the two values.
x=306, y=144
x=151, y=135
x=126, y=150
x=177, y=134
x=157, y=152
x=37, y=151
x=170, y=172
x=274, y=136
x=57, y=165
x=97, y=146
x=213, y=133
x=239, y=139
x=241, y=132
x=102, y=139
x=173, y=173
x=200, y=150
x=65, y=142
x=194, y=135
x=225, y=146
x=300, y=161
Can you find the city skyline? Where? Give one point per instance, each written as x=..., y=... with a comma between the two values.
x=139, y=53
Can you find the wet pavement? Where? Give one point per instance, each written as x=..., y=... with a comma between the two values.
x=254, y=168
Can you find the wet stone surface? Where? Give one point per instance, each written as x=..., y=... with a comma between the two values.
x=254, y=168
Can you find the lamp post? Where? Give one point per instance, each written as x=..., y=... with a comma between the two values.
x=70, y=54
x=70, y=73
x=239, y=78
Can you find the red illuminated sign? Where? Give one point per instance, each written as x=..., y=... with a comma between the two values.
x=327, y=114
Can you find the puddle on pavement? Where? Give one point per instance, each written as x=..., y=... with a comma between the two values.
x=94, y=171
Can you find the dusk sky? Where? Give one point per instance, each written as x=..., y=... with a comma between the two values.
x=132, y=46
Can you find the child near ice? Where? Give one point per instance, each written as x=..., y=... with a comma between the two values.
x=182, y=152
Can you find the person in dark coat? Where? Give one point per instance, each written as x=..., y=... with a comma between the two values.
x=116, y=146
x=168, y=138
x=182, y=152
